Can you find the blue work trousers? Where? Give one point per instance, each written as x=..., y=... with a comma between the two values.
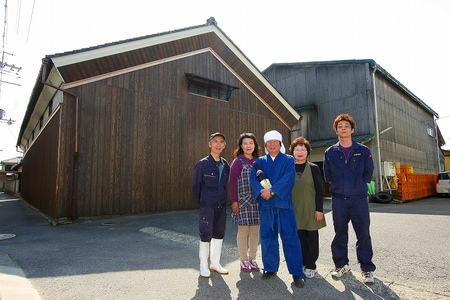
x=355, y=209
x=280, y=221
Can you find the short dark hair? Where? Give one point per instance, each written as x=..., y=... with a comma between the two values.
x=344, y=117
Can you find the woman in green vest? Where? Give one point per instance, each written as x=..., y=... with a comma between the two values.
x=307, y=196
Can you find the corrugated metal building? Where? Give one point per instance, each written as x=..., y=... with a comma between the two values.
x=395, y=124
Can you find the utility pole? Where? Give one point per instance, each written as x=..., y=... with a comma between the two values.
x=6, y=68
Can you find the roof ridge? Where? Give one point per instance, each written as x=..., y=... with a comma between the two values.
x=209, y=22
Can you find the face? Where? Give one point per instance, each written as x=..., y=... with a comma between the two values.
x=300, y=153
x=273, y=147
x=344, y=129
x=248, y=146
x=217, y=144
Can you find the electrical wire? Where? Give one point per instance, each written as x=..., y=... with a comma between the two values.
x=31, y=19
x=19, y=7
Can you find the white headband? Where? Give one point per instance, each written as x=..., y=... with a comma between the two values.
x=274, y=135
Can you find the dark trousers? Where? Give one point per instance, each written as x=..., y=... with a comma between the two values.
x=212, y=223
x=310, y=247
x=355, y=209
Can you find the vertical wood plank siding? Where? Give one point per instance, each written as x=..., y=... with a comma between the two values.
x=104, y=65
x=39, y=176
x=141, y=134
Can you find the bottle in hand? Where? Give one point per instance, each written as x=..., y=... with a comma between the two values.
x=262, y=177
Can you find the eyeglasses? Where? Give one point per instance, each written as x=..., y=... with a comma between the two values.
x=300, y=150
x=218, y=142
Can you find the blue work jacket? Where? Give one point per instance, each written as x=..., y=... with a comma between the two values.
x=281, y=173
x=349, y=176
x=209, y=188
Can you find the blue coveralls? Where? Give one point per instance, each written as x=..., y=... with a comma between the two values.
x=209, y=183
x=277, y=215
x=348, y=179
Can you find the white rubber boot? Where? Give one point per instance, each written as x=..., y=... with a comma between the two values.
x=203, y=254
x=216, y=251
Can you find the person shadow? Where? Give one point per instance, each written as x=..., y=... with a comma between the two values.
x=251, y=286
x=354, y=286
x=212, y=288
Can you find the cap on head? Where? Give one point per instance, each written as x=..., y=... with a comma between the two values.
x=217, y=134
x=274, y=135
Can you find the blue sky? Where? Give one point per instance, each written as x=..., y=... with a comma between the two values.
x=408, y=38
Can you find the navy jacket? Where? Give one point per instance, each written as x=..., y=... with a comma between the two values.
x=348, y=177
x=209, y=190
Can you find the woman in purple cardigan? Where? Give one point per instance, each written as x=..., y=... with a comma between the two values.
x=245, y=208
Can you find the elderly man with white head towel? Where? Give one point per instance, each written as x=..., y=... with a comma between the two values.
x=276, y=209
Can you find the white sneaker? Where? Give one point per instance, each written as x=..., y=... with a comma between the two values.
x=368, y=277
x=340, y=271
x=309, y=273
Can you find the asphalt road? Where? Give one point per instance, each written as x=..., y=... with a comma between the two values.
x=155, y=256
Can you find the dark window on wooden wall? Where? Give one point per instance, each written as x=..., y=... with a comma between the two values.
x=41, y=122
x=210, y=88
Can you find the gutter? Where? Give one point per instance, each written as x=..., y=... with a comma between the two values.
x=74, y=194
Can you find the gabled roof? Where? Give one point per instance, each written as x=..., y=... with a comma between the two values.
x=77, y=67
x=372, y=64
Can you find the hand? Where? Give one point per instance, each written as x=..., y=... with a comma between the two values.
x=235, y=207
x=265, y=194
x=319, y=216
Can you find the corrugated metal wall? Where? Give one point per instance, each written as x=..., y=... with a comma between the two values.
x=408, y=142
x=332, y=89
x=348, y=88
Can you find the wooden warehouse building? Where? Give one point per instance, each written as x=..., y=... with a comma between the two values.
x=117, y=128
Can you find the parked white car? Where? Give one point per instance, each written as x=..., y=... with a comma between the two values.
x=443, y=184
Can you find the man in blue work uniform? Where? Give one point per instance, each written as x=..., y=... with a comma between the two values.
x=209, y=183
x=348, y=167
x=277, y=215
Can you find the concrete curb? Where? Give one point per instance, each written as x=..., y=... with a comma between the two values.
x=13, y=283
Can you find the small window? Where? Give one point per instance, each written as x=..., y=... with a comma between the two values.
x=209, y=88
x=430, y=131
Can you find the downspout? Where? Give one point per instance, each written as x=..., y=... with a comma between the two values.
x=377, y=129
x=74, y=195
x=437, y=145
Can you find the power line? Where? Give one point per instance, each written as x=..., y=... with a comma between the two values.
x=19, y=7
x=31, y=18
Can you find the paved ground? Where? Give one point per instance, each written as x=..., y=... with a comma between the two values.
x=155, y=256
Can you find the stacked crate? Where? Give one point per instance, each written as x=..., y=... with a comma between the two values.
x=413, y=186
